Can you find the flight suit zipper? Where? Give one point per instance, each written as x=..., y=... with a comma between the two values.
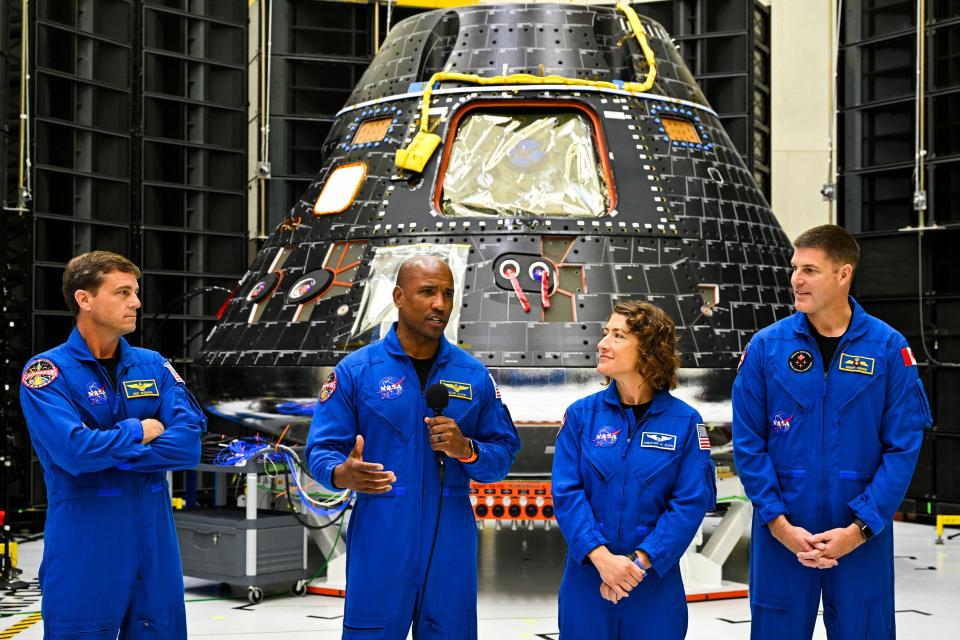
x=420, y=452
x=823, y=414
x=623, y=489
x=116, y=386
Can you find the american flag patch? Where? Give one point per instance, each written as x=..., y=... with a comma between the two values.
x=495, y=387
x=173, y=372
x=908, y=359
x=703, y=437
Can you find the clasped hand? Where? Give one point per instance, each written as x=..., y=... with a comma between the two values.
x=817, y=551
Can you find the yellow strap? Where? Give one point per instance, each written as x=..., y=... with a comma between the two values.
x=20, y=626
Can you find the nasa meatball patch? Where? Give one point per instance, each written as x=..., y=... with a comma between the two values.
x=39, y=374
x=326, y=392
x=606, y=437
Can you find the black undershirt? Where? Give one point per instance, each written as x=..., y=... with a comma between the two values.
x=110, y=364
x=423, y=368
x=639, y=410
x=827, y=345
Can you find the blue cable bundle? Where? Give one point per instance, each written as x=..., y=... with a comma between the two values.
x=241, y=450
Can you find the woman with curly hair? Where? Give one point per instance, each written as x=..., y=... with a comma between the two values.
x=632, y=479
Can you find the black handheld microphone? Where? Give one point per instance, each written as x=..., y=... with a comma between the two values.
x=438, y=397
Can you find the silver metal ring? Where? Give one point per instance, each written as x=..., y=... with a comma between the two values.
x=538, y=266
x=512, y=264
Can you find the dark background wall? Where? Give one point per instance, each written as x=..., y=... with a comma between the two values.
x=139, y=143
x=910, y=280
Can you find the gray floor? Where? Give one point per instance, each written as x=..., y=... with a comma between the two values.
x=518, y=584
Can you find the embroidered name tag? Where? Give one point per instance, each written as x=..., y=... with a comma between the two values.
x=140, y=389
x=462, y=390
x=856, y=364
x=663, y=441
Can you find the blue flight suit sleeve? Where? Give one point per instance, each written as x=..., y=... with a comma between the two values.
x=55, y=423
x=693, y=494
x=906, y=414
x=496, y=439
x=334, y=429
x=178, y=447
x=750, y=433
x=571, y=505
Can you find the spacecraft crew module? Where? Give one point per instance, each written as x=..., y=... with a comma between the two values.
x=559, y=158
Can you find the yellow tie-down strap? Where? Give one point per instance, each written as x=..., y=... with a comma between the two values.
x=416, y=154
x=944, y=520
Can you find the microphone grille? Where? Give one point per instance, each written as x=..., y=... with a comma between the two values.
x=438, y=397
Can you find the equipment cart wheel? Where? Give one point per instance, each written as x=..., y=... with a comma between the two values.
x=299, y=588
x=255, y=595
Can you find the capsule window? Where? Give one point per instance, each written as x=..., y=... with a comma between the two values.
x=340, y=189
x=529, y=161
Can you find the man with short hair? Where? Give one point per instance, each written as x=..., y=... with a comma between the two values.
x=107, y=421
x=828, y=419
x=373, y=432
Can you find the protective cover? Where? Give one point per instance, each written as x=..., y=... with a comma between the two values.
x=524, y=164
x=376, y=306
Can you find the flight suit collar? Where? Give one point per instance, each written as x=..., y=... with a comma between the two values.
x=659, y=404
x=859, y=323
x=392, y=344
x=78, y=349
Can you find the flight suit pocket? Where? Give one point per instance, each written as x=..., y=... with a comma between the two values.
x=875, y=620
x=597, y=464
x=659, y=475
x=924, y=405
x=786, y=428
x=89, y=630
x=769, y=618
x=857, y=391
x=790, y=485
x=397, y=411
x=362, y=631
x=852, y=484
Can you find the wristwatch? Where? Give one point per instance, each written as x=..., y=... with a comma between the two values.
x=865, y=530
x=635, y=559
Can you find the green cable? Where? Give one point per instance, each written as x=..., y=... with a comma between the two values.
x=323, y=566
x=733, y=499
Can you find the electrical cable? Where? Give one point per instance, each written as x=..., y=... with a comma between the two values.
x=919, y=177
x=167, y=311
x=239, y=451
x=834, y=114
x=326, y=558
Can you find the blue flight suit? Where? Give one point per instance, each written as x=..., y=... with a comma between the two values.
x=375, y=392
x=629, y=485
x=823, y=448
x=111, y=561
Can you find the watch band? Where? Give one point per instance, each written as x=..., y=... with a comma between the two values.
x=865, y=530
x=635, y=559
x=473, y=453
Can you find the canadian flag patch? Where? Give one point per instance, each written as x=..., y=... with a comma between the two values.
x=908, y=359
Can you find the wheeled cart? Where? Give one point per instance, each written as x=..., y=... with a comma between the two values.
x=243, y=546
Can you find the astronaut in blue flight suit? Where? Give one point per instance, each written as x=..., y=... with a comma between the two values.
x=828, y=419
x=107, y=421
x=632, y=481
x=403, y=564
